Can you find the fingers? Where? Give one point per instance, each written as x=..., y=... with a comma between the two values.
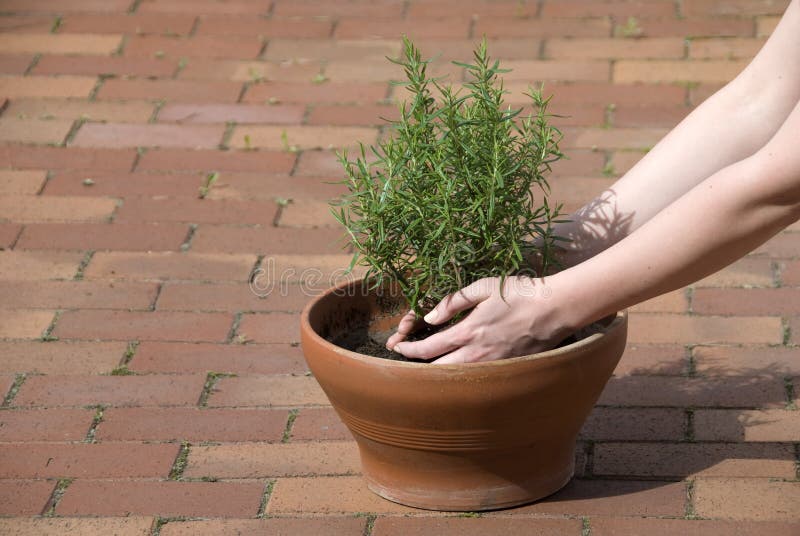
x=434, y=346
x=407, y=324
x=465, y=354
x=466, y=298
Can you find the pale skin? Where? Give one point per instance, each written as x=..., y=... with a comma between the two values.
x=721, y=183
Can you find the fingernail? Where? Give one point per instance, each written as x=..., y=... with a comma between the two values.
x=397, y=348
x=430, y=318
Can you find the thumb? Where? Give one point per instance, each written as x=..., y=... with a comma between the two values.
x=466, y=298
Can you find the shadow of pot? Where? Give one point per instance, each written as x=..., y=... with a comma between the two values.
x=470, y=437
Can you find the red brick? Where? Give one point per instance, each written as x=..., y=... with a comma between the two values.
x=128, y=23
x=741, y=302
x=327, y=93
x=301, y=137
x=452, y=27
x=700, y=92
x=613, y=138
x=249, y=71
x=499, y=27
x=128, y=325
x=22, y=157
x=623, y=161
x=672, y=302
x=34, y=131
x=698, y=459
x=120, y=526
x=30, y=208
x=21, y=182
x=319, y=163
x=38, y=265
x=194, y=210
x=715, y=8
x=99, y=45
x=45, y=424
x=739, y=391
x=117, y=236
x=319, y=424
x=766, y=25
x=170, y=265
x=151, y=390
x=308, y=213
x=747, y=499
x=784, y=245
x=238, y=161
x=24, y=324
x=25, y=497
x=166, y=499
x=124, y=184
x=53, y=357
x=76, y=295
x=368, y=50
x=112, y=65
x=629, y=424
x=225, y=297
x=27, y=23
x=191, y=424
x=8, y=236
x=170, y=90
x=649, y=359
x=366, y=115
x=231, y=25
x=106, y=460
x=727, y=48
x=652, y=71
x=56, y=6
x=718, y=27
x=462, y=526
x=126, y=135
x=258, y=460
x=260, y=186
x=15, y=64
x=602, y=526
x=640, y=116
x=609, y=8
x=203, y=7
x=267, y=391
x=270, y=328
x=166, y=357
x=671, y=328
x=155, y=46
x=748, y=271
x=361, y=70
x=333, y=8
x=746, y=361
x=614, y=48
x=557, y=70
x=790, y=273
x=326, y=495
x=43, y=86
x=239, y=113
x=123, y=112
x=747, y=425
x=266, y=240
x=473, y=8
x=307, y=526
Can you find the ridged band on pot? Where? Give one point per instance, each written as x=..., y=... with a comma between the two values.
x=469, y=437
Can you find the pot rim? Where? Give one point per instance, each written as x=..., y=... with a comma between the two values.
x=583, y=345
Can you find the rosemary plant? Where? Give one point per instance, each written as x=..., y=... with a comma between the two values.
x=457, y=191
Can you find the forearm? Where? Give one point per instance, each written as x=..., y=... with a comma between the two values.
x=714, y=224
x=730, y=126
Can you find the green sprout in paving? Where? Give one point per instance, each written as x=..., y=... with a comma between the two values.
x=457, y=191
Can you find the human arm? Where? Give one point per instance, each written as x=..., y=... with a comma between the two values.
x=715, y=223
x=730, y=126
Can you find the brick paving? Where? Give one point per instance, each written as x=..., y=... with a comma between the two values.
x=147, y=390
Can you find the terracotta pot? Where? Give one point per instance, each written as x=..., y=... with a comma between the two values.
x=471, y=437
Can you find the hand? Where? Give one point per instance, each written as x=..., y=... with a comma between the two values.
x=524, y=320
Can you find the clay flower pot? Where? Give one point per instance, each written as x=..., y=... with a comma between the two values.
x=471, y=437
